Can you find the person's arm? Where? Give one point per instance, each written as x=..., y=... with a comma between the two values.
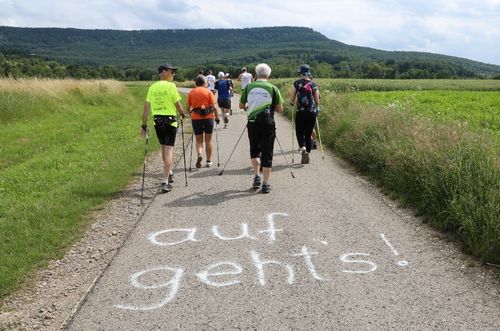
x=316, y=97
x=243, y=99
x=293, y=95
x=278, y=100
x=188, y=105
x=145, y=114
x=180, y=110
x=214, y=107
x=216, y=113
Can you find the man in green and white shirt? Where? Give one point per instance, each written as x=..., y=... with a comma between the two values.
x=260, y=100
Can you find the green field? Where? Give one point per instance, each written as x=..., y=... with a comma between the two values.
x=475, y=109
x=67, y=147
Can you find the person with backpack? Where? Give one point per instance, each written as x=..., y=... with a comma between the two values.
x=260, y=100
x=223, y=88
x=305, y=96
x=200, y=103
x=164, y=102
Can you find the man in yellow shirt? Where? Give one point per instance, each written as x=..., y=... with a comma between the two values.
x=164, y=102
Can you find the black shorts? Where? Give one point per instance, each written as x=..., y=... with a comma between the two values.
x=166, y=134
x=203, y=126
x=261, y=137
x=224, y=103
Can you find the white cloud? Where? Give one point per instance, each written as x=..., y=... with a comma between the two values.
x=454, y=27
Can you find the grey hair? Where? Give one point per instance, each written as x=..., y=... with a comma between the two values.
x=262, y=70
x=200, y=80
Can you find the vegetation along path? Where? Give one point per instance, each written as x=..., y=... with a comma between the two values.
x=323, y=250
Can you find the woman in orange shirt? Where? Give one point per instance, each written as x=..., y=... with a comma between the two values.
x=201, y=105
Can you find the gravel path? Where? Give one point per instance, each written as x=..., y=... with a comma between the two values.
x=323, y=250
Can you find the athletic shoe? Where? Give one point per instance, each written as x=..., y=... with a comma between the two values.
x=314, y=145
x=225, y=126
x=165, y=187
x=305, y=157
x=266, y=188
x=198, y=161
x=170, y=178
x=209, y=164
x=256, y=182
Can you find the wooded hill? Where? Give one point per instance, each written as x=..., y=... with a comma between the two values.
x=229, y=49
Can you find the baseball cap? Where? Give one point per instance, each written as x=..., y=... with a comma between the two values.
x=305, y=70
x=166, y=66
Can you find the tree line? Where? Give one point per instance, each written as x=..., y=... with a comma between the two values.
x=22, y=65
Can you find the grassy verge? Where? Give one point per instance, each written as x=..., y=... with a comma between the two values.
x=67, y=146
x=423, y=154
x=451, y=175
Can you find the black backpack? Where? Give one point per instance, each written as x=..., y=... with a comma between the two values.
x=305, y=95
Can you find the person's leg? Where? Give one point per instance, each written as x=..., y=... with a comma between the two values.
x=167, y=147
x=208, y=146
x=164, y=135
x=199, y=143
x=199, y=149
x=225, y=112
x=309, y=122
x=256, y=165
x=253, y=137
x=299, y=129
x=167, y=153
x=266, y=171
x=267, y=138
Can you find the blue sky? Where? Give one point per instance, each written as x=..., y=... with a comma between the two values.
x=469, y=29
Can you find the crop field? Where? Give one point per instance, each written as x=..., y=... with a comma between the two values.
x=475, y=109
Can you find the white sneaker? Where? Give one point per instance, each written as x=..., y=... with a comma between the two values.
x=209, y=164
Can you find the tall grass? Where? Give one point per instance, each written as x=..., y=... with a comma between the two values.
x=451, y=175
x=66, y=147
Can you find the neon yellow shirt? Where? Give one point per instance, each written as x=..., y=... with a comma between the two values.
x=162, y=96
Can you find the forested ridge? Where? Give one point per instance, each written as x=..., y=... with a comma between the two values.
x=133, y=55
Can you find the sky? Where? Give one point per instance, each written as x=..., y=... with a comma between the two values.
x=468, y=29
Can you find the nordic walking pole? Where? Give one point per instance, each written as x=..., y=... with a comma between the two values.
x=293, y=138
x=320, y=141
x=191, y=157
x=282, y=152
x=184, y=151
x=229, y=158
x=217, y=140
x=144, y=166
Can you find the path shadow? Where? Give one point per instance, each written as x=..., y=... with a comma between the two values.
x=206, y=199
x=203, y=173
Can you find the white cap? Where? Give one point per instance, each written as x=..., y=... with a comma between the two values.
x=221, y=74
